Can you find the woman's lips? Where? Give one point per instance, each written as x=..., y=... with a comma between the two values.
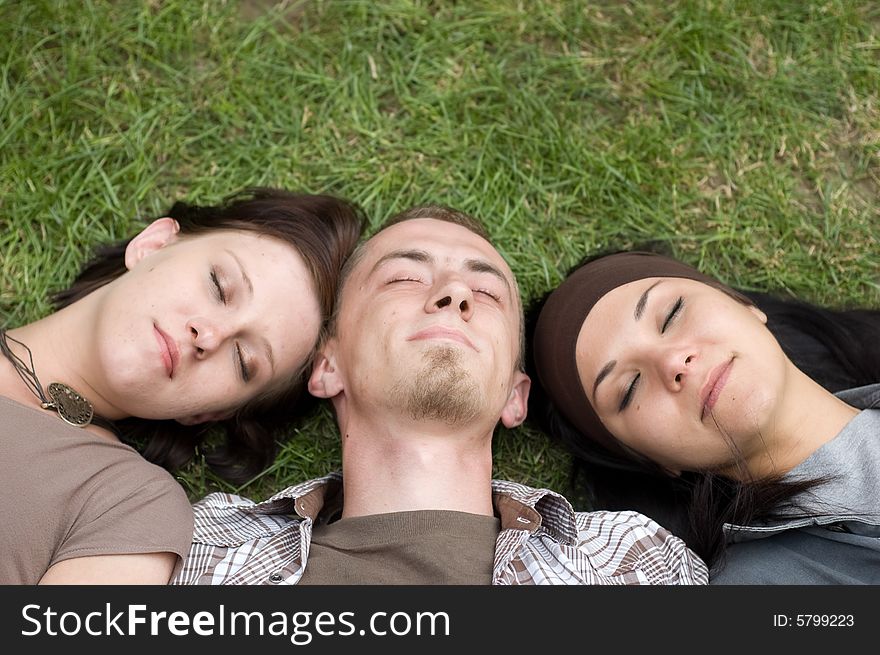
x=168, y=350
x=713, y=387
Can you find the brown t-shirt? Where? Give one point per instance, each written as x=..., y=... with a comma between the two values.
x=421, y=547
x=69, y=493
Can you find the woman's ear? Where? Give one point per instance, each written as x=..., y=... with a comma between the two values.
x=757, y=312
x=156, y=235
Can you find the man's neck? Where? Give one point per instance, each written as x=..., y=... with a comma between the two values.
x=407, y=466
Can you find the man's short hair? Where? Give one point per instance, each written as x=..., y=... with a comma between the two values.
x=440, y=213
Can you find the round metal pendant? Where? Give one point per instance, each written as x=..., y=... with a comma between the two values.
x=70, y=406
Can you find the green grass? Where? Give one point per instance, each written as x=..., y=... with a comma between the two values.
x=745, y=135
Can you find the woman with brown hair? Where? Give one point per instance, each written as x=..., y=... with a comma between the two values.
x=209, y=316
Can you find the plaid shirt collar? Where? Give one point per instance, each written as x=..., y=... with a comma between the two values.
x=519, y=507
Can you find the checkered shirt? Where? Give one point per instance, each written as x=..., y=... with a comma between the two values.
x=542, y=540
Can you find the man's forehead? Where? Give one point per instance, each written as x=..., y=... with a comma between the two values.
x=439, y=240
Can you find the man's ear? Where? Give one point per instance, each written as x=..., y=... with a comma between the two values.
x=156, y=235
x=325, y=380
x=514, y=412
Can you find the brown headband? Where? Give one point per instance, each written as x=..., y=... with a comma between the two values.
x=563, y=314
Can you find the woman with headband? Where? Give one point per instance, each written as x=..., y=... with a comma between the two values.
x=647, y=367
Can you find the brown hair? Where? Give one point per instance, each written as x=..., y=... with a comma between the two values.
x=324, y=229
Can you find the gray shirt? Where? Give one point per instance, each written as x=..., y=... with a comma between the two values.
x=840, y=544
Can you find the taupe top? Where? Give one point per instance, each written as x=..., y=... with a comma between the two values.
x=69, y=493
x=419, y=547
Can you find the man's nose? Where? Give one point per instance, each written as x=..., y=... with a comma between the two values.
x=453, y=294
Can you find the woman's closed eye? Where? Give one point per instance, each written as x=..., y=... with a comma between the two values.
x=628, y=392
x=673, y=314
x=241, y=359
x=219, y=290
x=241, y=363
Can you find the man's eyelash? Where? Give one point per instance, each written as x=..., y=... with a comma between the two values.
x=624, y=403
x=221, y=294
x=486, y=292
x=673, y=314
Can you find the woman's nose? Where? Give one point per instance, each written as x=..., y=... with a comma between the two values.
x=206, y=335
x=676, y=367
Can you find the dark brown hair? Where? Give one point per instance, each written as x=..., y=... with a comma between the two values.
x=324, y=229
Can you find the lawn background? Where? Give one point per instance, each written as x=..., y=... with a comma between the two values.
x=743, y=135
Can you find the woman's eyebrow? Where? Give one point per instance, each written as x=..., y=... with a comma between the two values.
x=244, y=275
x=637, y=315
x=643, y=300
x=602, y=375
x=267, y=347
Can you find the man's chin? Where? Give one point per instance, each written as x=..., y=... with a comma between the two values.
x=441, y=355
x=442, y=390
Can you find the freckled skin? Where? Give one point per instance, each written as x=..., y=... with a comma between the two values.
x=208, y=377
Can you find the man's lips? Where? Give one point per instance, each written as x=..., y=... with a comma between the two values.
x=712, y=388
x=168, y=350
x=441, y=332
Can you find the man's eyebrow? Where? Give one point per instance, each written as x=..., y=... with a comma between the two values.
x=413, y=255
x=244, y=275
x=602, y=375
x=482, y=266
x=643, y=300
x=423, y=257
